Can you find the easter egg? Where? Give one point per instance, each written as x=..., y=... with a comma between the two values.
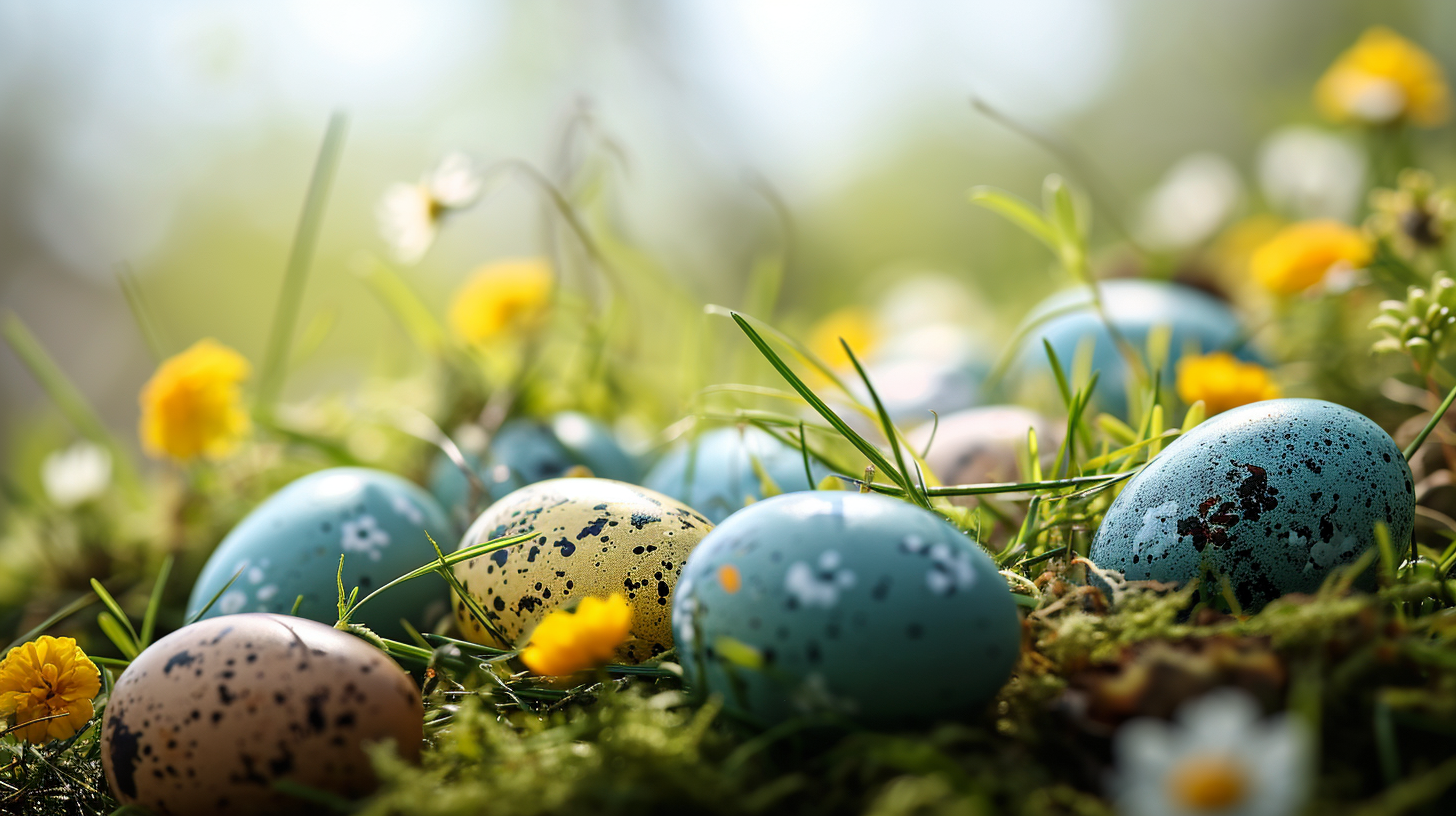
x=714, y=473
x=778, y=605
x=1272, y=494
x=290, y=546
x=524, y=451
x=210, y=717
x=1135, y=307
x=980, y=445
x=911, y=388
x=593, y=537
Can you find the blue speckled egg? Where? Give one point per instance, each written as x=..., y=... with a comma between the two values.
x=714, y=474
x=1135, y=307
x=1273, y=494
x=526, y=451
x=910, y=388
x=290, y=546
x=781, y=608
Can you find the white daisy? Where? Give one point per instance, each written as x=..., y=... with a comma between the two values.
x=1192, y=201
x=77, y=474
x=1217, y=759
x=1305, y=172
x=409, y=214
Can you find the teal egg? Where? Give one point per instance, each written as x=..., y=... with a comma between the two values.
x=1136, y=307
x=526, y=451
x=782, y=607
x=1272, y=494
x=714, y=473
x=290, y=546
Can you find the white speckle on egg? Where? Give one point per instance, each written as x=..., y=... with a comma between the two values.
x=255, y=575
x=232, y=602
x=949, y=571
x=821, y=587
x=407, y=509
x=364, y=535
x=266, y=593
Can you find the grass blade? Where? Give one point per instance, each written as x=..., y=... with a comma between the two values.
x=56, y=617
x=1415, y=445
x=870, y=451
x=154, y=603
x=197, y=616
x=890, y=433
x=300, y=258
x=67, y=397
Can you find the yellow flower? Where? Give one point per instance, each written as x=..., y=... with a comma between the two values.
x=192, y=406
x=1383, y=78
x=502, y=298
x=564, y=643
x=45, y=678
x=1223, y=381
x=853, y=323
x=1298, y=256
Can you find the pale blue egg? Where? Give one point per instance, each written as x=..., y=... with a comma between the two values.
x=714, y=475
x=1136, y=307
x=1273, y=494
x=526, y=451
x=837, y=603
x=290, y=546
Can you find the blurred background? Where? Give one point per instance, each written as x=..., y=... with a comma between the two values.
x=175, y=139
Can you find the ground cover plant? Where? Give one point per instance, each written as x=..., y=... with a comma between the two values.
x=1195, y=677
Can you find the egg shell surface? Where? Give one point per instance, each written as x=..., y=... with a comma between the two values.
x=290, y=546
x=714, y=474
x=1136, y=307
x=206, y=719
x=525, y=451
x=809, y=585
x=1273, y=494
x=594, y=537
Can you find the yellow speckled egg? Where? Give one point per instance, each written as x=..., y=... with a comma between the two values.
x=208, y=718
x=594, y=537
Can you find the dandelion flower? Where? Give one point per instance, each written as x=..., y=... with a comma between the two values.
x=566, y=643
x=1217, y=759
x=77, y=474
x=853, y=323
x=1300, y=255
x=409, y=215
x=1223, y=381
x=1384, y=78
x=192, y=406
x=48, y=677
x=502, y=298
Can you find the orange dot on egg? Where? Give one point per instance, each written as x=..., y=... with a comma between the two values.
x=730, y=579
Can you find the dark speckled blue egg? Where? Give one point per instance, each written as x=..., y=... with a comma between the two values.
x=290, y=546
x=1273, y=494
x=714, y=473
x=526, y=451
x=1196, y=319
x=844, y=603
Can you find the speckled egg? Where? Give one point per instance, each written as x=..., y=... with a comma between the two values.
x=782, y=608
x=525, y=451
x=290, y=546
x=1273, y=494
x=714, y=472
x=1196, y=319
x=207, y=719
x=980, y=445
x=594, y=537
